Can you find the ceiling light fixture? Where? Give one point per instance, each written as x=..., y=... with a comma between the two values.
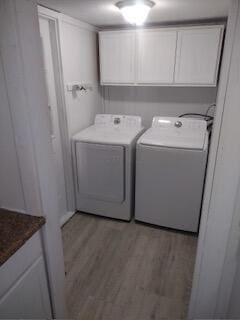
x=135, y=11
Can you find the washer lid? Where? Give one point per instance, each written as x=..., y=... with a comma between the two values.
x=171, y=132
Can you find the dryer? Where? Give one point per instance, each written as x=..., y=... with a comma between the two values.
x=170, y=172
x=104, y=165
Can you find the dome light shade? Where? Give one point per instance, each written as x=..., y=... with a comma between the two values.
x=135, y=12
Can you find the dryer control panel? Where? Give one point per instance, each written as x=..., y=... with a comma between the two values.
x=118, y=120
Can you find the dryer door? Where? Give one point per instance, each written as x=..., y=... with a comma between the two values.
x=100, y=171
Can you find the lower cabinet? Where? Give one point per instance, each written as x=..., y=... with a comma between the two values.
x=26, y=296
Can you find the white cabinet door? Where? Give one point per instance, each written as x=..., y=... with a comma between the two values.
x=117, y=57
x=156, y=53
x=28, y=298
x=198, y=55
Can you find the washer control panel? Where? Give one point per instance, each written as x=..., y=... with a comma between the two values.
x=179, y=132
x=178, y=124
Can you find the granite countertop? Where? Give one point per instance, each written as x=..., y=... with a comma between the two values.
x=15, y=229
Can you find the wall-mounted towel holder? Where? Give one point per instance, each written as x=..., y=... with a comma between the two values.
x=79, y=87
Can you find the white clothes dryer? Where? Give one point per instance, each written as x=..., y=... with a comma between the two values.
x=170, y=172
x=104, y=164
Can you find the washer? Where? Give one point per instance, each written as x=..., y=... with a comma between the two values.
x=104, y=163
x=170, y=172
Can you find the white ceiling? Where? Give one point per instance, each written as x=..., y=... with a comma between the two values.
x=104, y=12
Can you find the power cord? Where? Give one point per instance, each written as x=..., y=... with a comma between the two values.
x=205, y=116
x=210, y=107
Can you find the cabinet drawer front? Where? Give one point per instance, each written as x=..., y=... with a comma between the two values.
x=117, y=57
x=198, y=54
x=156, y=53
x=14, y=267
x=28, y=298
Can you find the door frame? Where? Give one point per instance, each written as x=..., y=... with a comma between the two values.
x=222, y=295
x=54, y=26
x=25, y=85
x=215, y=267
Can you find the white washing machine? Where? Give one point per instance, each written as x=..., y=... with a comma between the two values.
x=104, y=163
x=170, y=171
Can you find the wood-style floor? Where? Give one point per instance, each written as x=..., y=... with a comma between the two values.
x=126, y=271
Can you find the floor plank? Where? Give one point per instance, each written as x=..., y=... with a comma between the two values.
x=126, y=271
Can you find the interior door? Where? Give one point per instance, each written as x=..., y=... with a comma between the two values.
x=156, y=52
x=100, y=171
x=53, y=113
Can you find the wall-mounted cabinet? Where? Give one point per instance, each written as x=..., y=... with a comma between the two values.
x=155, y=56
x=186, y=56
x=117, y=57
x=198, y=55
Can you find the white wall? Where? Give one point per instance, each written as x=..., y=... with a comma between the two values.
x=218, y=245
x=21, y=56
x=11, y=193
x=152, y=101
x=234, y=306
x=79, y=60
x=77, y=44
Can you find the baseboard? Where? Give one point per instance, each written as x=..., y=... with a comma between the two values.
x=66, y=217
